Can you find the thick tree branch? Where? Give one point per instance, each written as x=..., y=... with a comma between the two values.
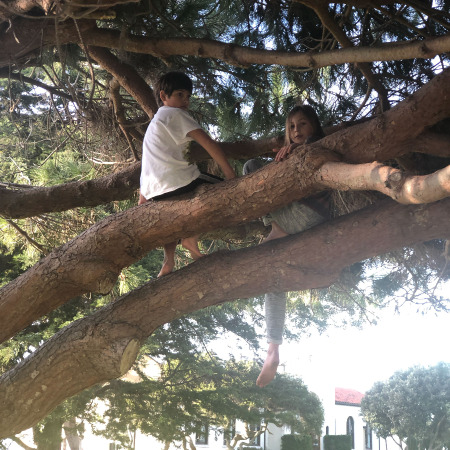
x=127, y=77
x=394, y=126
x=19, y=43
x=92, y=261
x=399, y=131
x=387, y=180
x=19, y=203
x=104, y=345
x=28, y=202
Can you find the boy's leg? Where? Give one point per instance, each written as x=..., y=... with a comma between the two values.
x=275, y=305
x=142, y=199
x=169, y=259
x=191, y=244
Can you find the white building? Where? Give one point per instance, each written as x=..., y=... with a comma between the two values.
x=342, y=416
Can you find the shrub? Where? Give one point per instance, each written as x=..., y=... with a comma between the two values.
x=296, y=442
x=339, y=442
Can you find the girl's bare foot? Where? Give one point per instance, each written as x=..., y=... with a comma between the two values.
x=275, y=233
x=191, y=244
x=270, y=366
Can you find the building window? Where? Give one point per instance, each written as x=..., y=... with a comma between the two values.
x=368, y=437
x=351, y=429
x=201, y=438
x=229, y=433
x=257, y=439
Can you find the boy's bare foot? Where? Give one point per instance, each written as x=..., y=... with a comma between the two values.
x=166, y=268
x=275, y=233
x=142, y=200
x=191, y=244
x=169, y=259
x=270, y=366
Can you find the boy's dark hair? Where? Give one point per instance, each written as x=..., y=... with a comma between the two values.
x=172, y=81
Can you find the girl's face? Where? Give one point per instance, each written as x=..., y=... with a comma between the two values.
x=300, y=128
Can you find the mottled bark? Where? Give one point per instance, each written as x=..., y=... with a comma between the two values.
x=392, y=182
x=103, y=346
x=92, y=261
x=399, y=131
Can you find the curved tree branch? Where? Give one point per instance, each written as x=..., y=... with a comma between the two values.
x=399, y=131
x=104, y=345
x=119, y=111
x=387, y=180
x=92, y=261
x=127, y=77
x=19, y=43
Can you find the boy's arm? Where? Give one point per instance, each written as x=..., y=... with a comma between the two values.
x=215, y=151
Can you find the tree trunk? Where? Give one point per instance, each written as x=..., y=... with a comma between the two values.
x=104, y=345
x=71, y=432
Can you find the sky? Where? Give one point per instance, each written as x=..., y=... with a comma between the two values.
x=362, y=357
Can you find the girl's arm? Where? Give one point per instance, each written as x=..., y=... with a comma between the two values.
x=215, y=151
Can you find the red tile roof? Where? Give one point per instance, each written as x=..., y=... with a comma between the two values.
x=347, y=397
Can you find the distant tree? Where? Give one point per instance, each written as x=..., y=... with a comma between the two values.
x=413, y=405
x=76, y=95
x=191, y=396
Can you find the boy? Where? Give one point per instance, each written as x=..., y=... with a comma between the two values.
x=165, y=172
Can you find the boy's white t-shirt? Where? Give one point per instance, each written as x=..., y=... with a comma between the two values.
x=164, y=167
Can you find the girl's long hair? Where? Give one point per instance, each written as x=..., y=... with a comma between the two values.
x=311, y=115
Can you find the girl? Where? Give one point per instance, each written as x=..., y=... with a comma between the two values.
x=302, y=126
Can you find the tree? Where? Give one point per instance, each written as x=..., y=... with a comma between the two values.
x=366, y=66
x=413, y=405
x=207, y=391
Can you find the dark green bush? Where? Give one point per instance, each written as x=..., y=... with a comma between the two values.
x=339, y=442
x=296, y=442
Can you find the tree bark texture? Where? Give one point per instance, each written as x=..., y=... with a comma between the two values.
x=401, y=130
x=387, y=180
x=92, y=261
x=104, y=345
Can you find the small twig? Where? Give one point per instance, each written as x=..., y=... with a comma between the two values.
x=27, y=237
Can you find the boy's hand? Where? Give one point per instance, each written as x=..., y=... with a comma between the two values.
x=215, y=151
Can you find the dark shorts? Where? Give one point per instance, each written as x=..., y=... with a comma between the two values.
x=202, y=179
